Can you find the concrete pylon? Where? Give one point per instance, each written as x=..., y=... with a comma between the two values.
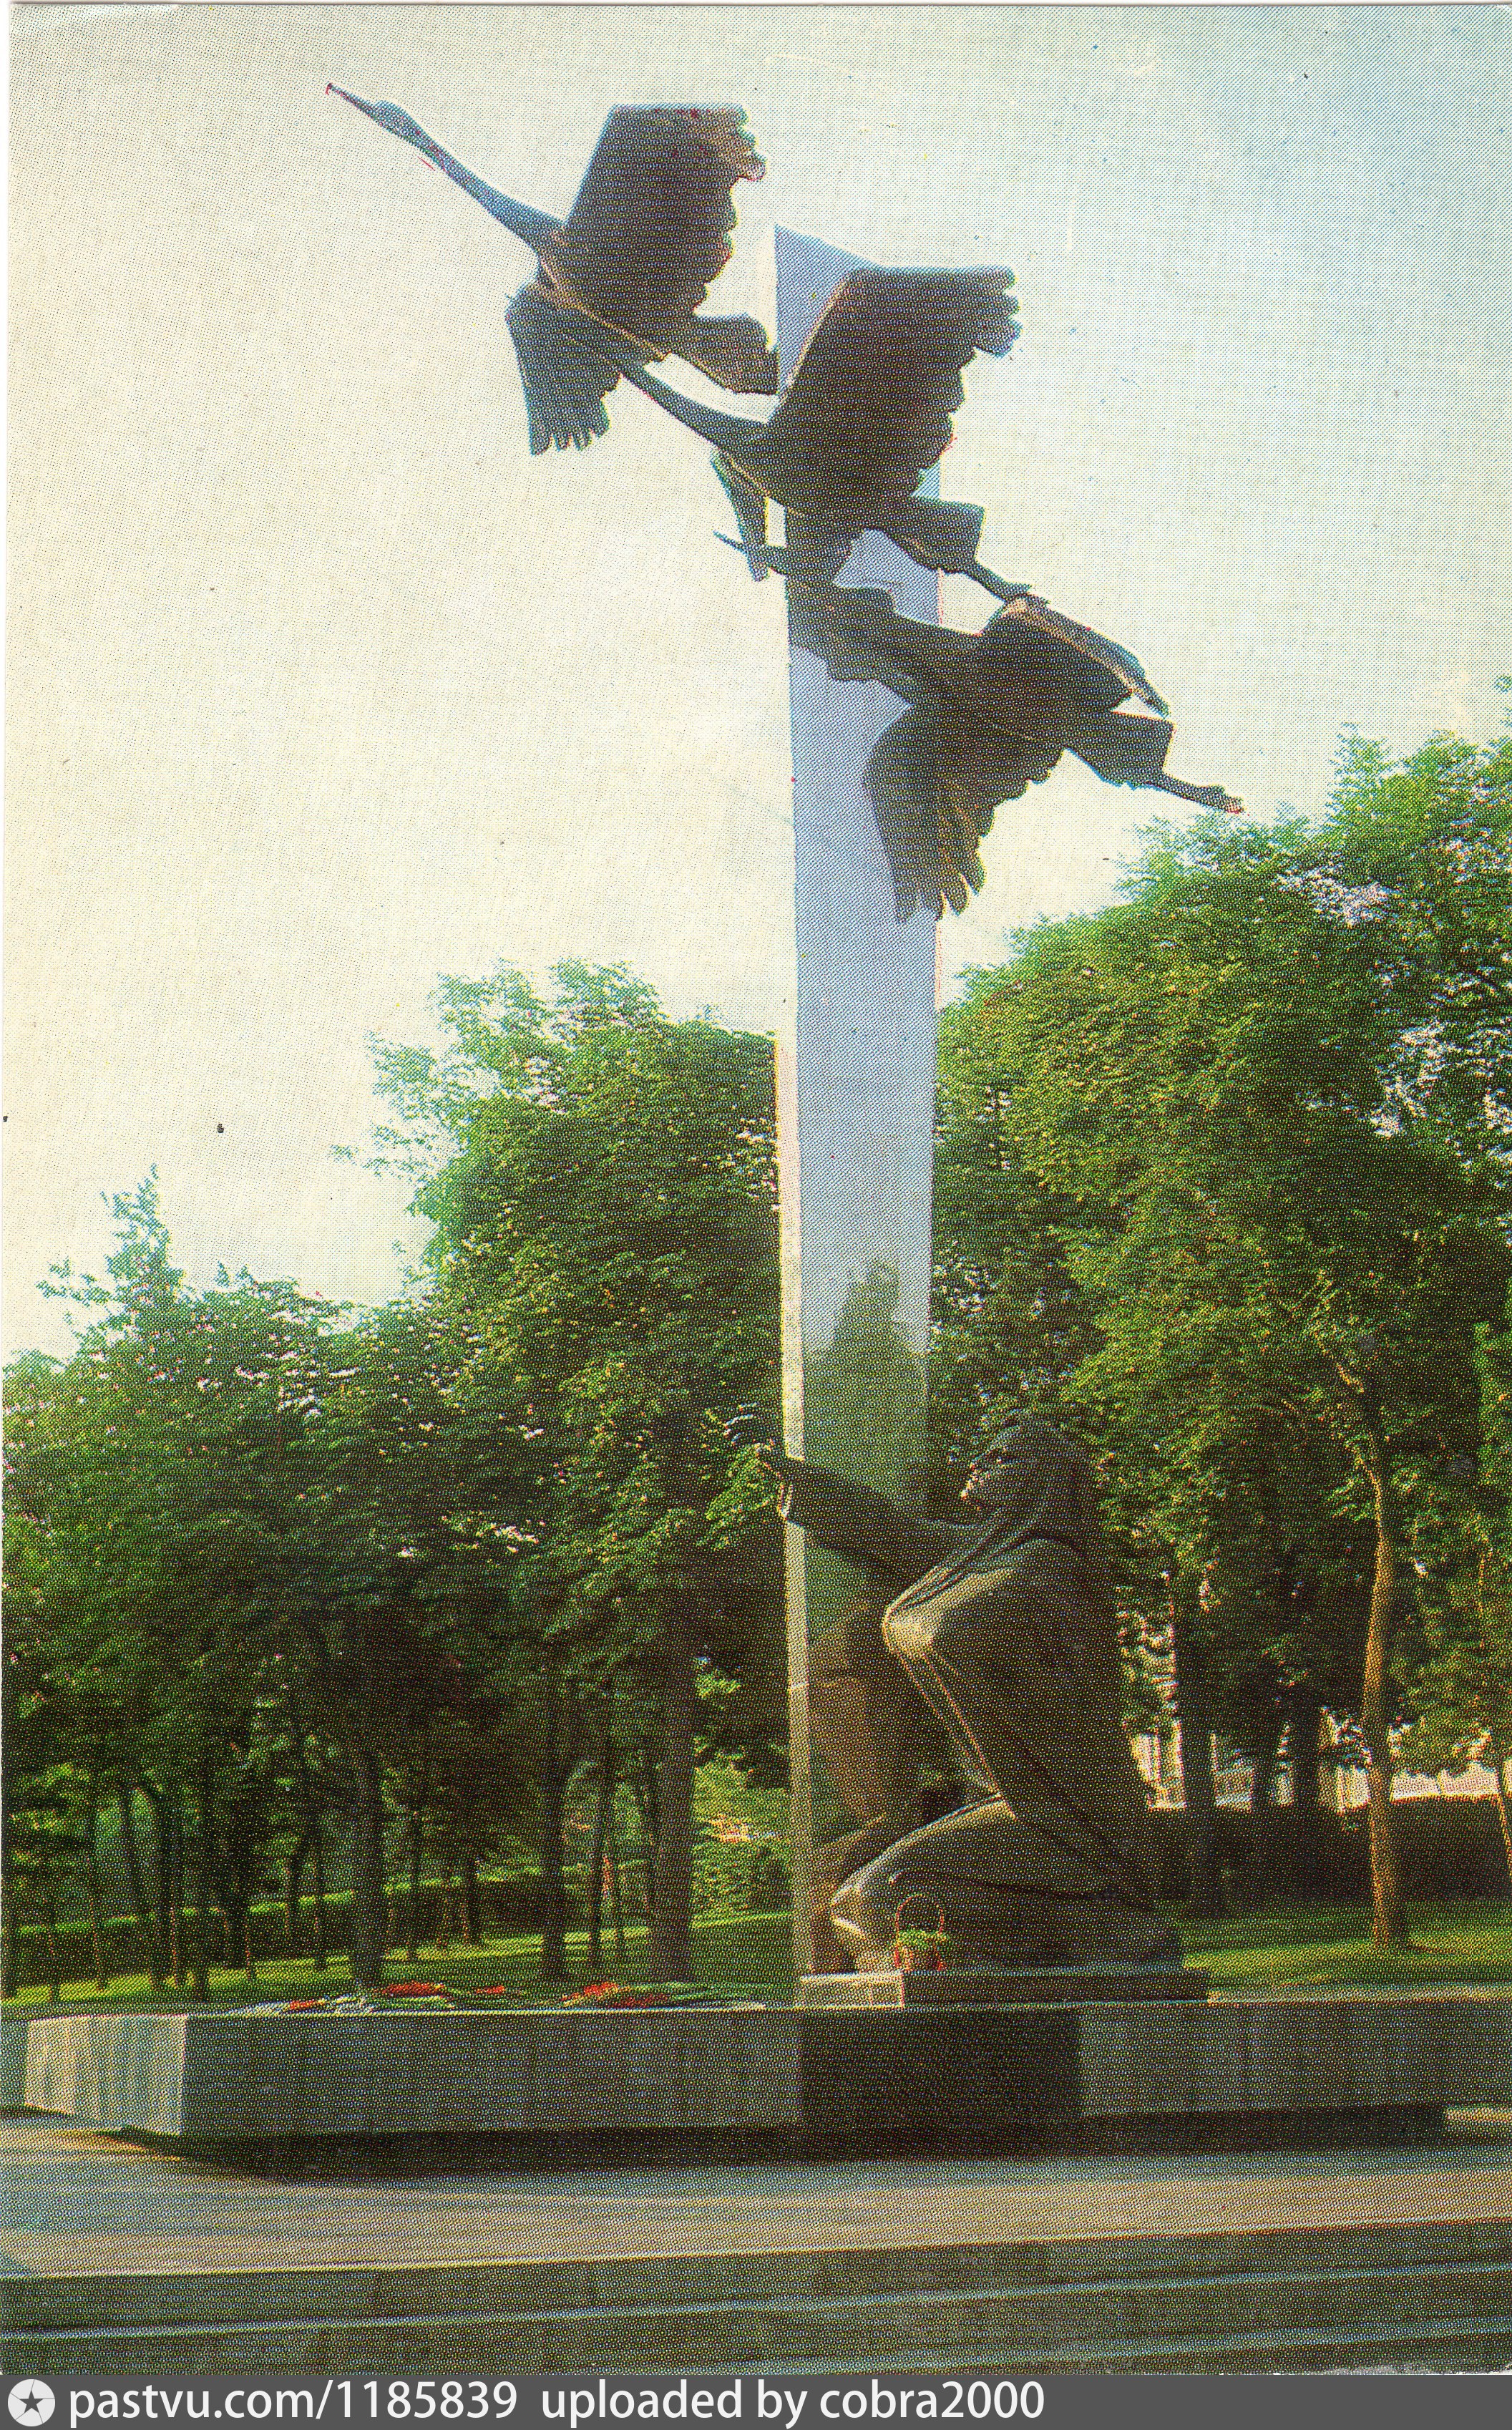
x=856, y=1074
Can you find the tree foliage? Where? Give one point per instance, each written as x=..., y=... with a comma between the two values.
x=1239, y=1147
x=604, y=1212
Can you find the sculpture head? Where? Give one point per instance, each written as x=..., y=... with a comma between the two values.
x=1028, y=1448
x=1032, y=1482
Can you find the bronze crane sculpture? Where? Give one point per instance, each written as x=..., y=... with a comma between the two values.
x=867, y=411
x=633, y=261
x=987, y=715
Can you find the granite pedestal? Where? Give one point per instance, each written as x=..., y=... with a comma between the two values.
x=779, y=2079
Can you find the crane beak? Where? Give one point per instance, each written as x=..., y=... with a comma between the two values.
x=373, y=110
x=396, y=121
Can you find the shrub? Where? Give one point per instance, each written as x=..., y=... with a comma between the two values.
x=1448, y=1847
x=739, y=1876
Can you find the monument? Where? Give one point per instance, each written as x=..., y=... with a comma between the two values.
x=856, y=1087
x=984, y=1645
x=856, y=1131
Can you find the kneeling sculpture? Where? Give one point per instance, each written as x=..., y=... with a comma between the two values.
x=1004, y=1625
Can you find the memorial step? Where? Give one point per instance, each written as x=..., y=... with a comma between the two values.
x=1437, y=2294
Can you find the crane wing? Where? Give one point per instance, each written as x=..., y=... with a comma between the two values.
x=649, y=229
x=934, y=783
x=565, y=381
x=1060, y=682
x=1037, y=642
x=862, y=638
x=873, y=393
x=1124, y=749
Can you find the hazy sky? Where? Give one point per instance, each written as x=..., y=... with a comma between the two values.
x=318, y=685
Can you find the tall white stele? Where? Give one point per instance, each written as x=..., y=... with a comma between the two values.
x=856, y=1091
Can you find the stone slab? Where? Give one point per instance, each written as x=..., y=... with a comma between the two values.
x=244, y=2078
x=909, y=2074
x=1294, y=2058
x=973, y=1986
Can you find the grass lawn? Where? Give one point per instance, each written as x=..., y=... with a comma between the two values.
x=1277, y=1949
x=749, y=1954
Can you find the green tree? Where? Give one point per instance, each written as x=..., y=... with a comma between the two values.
x=1463, y=1688
x=160, y=1485
x=1275, y=1267
x=602, y=1189
x=392, y=1616
x=1416, y=856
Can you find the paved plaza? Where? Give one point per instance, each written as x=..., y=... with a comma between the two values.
x=124, y=2260
x=77, y=2203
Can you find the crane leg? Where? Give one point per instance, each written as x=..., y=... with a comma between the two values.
x=1212, y=797
x=995, y=582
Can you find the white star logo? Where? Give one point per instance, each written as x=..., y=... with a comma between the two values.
x=31, y=2400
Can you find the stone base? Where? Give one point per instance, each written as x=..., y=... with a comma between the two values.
x=818, y=2077
x=983, y=1986
x=12, y=2062
x=535, y=2073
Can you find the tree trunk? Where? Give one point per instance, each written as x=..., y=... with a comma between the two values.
x=1391, y=1916
x=202, y=1881
x=1203, y=1888
x=309, y=1808
x=553, y=1855
x=595, y=1863
x=367, y=1868
x=646, y=1790
x=417, y=1842
x=162, y=1877
x=616, y=1898
x=92, y=1876
x=670, y=1962
x=318, y=1854
x=13, y=1948
x=10, y=1968
x=1301, y=1741
x=125, y=1801
x=174, y=1817
x=1500, y=1757
x=55, y=1966
x=471, y=1905
x=293, y=1870
x=1260, y=1870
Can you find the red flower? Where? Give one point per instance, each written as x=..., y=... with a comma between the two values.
x=410, y=1990
x=614, y=1995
